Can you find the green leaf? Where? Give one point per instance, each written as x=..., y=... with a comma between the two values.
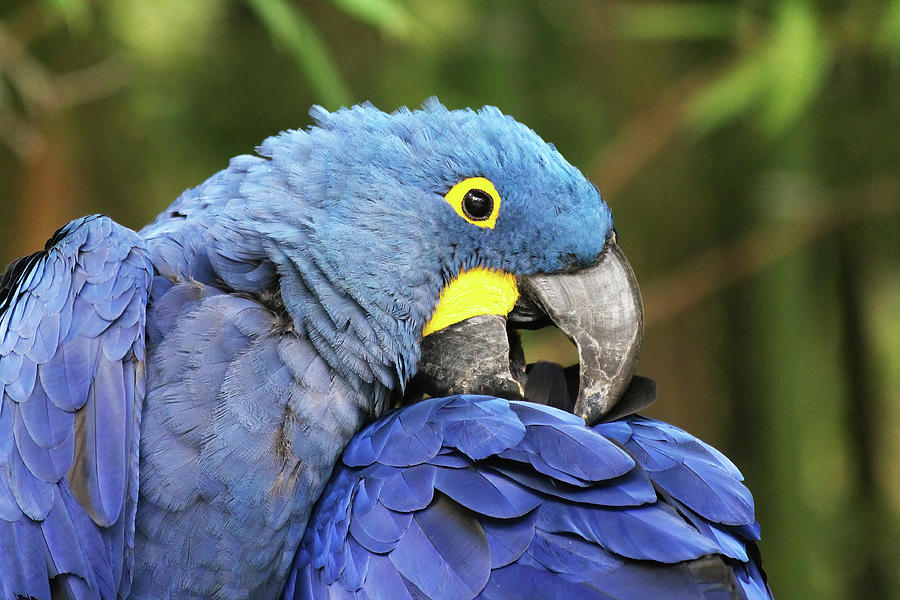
x=76, y=13
x=889, y=33
x=780, y=79
x=290, y=28
x=154, y=33
x=728, y=96
x=798, y=58
x=388, y=16
x=682, y=21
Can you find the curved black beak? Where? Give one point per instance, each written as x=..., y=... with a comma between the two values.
x=600, y=310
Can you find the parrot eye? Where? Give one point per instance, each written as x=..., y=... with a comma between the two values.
x=476, y=200
x=477, y=205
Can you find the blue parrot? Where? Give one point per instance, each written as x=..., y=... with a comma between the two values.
x=176, y=400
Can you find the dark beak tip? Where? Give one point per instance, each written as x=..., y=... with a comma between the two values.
x=601, y=311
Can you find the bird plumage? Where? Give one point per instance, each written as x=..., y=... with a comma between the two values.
x=337, y=240
x=479, y=497
x=71, y=373
x=227, y=353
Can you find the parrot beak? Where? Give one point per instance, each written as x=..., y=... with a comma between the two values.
x=599, y=308
x=475, y=356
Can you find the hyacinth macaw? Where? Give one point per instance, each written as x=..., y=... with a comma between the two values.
x=175, y=400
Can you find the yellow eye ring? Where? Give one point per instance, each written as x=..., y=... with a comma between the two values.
x=476, y=200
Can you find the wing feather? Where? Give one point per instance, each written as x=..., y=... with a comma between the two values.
x=71, y=387
x=546, y=508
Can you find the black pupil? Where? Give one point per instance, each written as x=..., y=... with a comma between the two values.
x=477, y=205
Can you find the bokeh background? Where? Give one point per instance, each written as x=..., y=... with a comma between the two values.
x=750, y=152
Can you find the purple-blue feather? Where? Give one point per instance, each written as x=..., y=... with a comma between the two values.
x=508, y=538
x=444, y=553
x=545, y=508
x=71, y=331
x=486, y=492
x=405, y=490
x=692, y=472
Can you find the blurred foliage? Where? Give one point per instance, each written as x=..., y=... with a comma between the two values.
x=750, y=151
x=288, y=26
x=782, y=75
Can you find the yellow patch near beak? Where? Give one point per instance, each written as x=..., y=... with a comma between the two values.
x=474, y=292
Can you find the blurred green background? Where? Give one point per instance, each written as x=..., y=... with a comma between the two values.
x=750, y=152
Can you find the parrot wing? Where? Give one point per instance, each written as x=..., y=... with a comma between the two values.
x=71, y=387
x=478, y=497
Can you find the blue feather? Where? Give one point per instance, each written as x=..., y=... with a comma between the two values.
x=525, y=582
x=704, y=481
x=66, y=408
x=63, y=544
x=709, y=492
x=20, y=389
x=414, y=442
x=408, y=489
x=10, y=364
x=70, y=383
x=576, y=451
x=571, y=556
x=100, y=462
x=650, y=532
x=632, y=489
x=479, y=429
x=507, y=538
x=485, y=493
x=47, y=464
x=9, y=508
x=752, y=582
x=380, y=529
x=368, y=492
x=354, y=574
x=516, y=531
x=46, y=339
x=47, y=425
x=445, y=553
x=390, y=583
x=7, y=439
x=34, y=496
x=23, y=563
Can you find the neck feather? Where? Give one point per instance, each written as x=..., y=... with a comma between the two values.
x=366, y=322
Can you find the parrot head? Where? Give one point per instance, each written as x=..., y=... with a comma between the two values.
x=430, y=223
